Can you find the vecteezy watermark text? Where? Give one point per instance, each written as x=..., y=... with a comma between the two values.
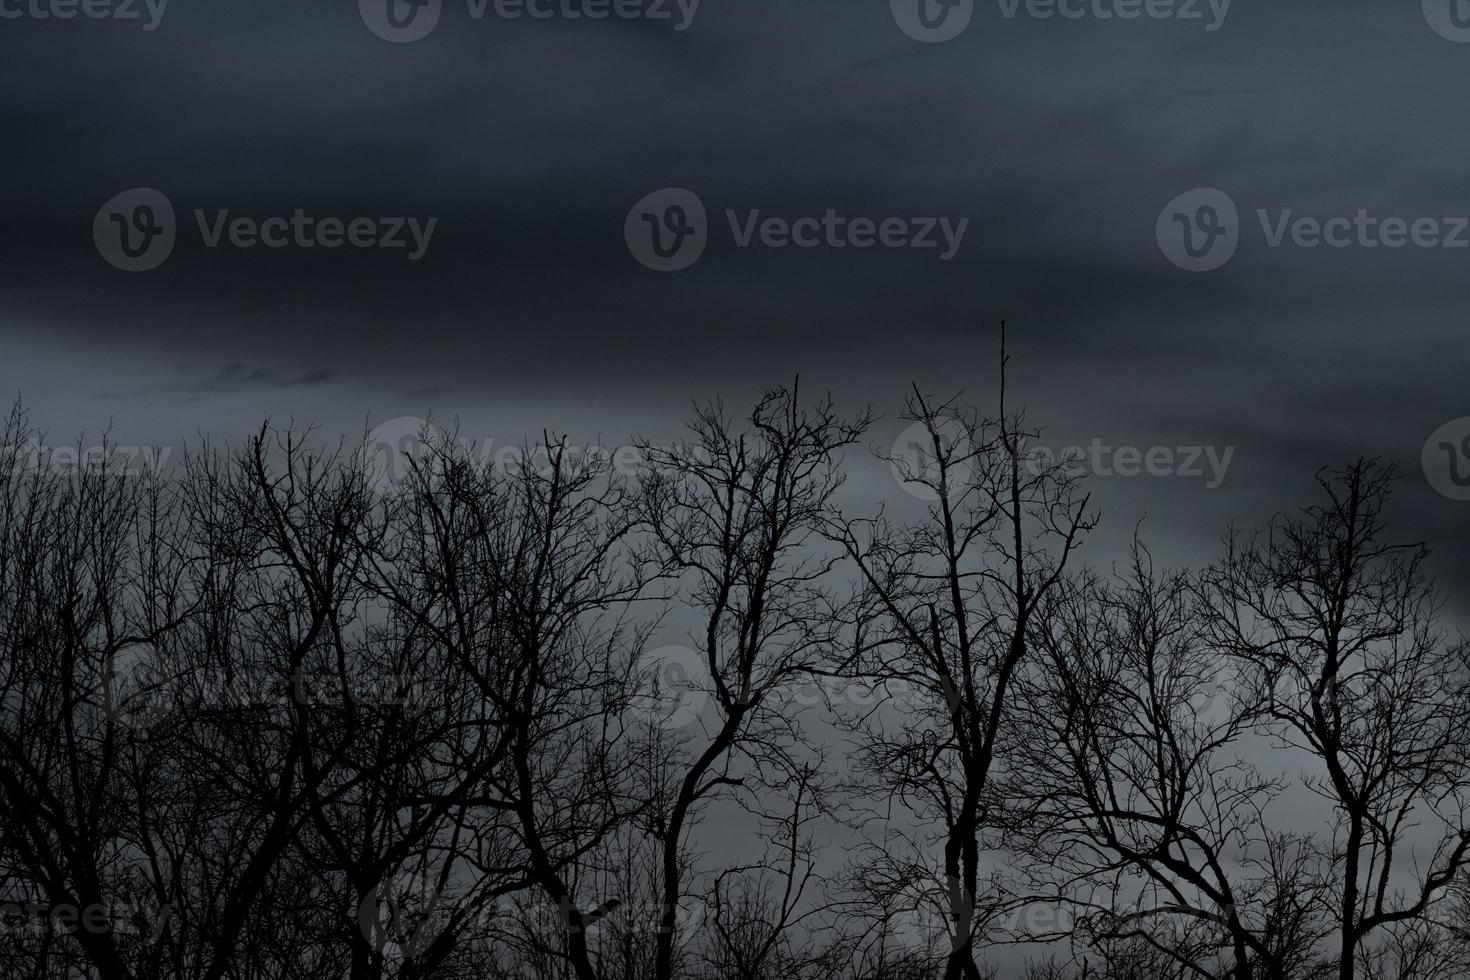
x=1201, y=229
x=40, y=917
x=918, y=472
x=136, y=231
x=933, y=21
x=149, y=13
x=394, y=450
x=33, y=457
x=1097, y=458
x=1211, y=12
x=668, y=230
x=401, y=21
x=138, y=689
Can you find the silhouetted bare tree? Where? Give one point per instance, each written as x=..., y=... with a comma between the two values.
x=266, y=718
x=1339, y=633
x=736, y=512
x=1132, y=793
x=944, y=614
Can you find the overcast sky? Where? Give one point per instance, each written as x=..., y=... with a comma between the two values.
x=528, y=141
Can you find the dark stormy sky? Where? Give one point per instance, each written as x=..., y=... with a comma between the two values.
x=529, y=141
x=1059, y=139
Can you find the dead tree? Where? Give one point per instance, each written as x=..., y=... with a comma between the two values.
x=762, y=921
x=736, y=514
x=945, y=610
x=142, y=776
x=526, y=580
x=1338, y=631
x=88, y=564
x=1132, y=793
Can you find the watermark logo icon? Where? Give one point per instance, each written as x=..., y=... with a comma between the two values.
x=921, y=913
x=921, y=471
x=400, y=21
x=932, y=21
x=394, y=450
x=1211, y=702
x=1450, y=19
x=1446, y=459
x=135, y=231
x=1199, y=230
x=667, y=230
x=672, y=687
x=402, y=915
x=134, y=688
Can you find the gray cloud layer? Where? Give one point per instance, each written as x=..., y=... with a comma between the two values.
x=1060, y=140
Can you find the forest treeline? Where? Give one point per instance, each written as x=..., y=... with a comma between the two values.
x=263, y=717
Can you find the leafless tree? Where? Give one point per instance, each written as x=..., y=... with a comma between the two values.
x=1339, y=633
x=761, y=919
x=527, y=579
x=420, y=732
x=141, y=609
x=86, y=559
x=943, y=617
x=1132, y=793
x=736, y=513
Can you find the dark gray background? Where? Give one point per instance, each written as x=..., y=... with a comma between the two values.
x=1060, y=140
